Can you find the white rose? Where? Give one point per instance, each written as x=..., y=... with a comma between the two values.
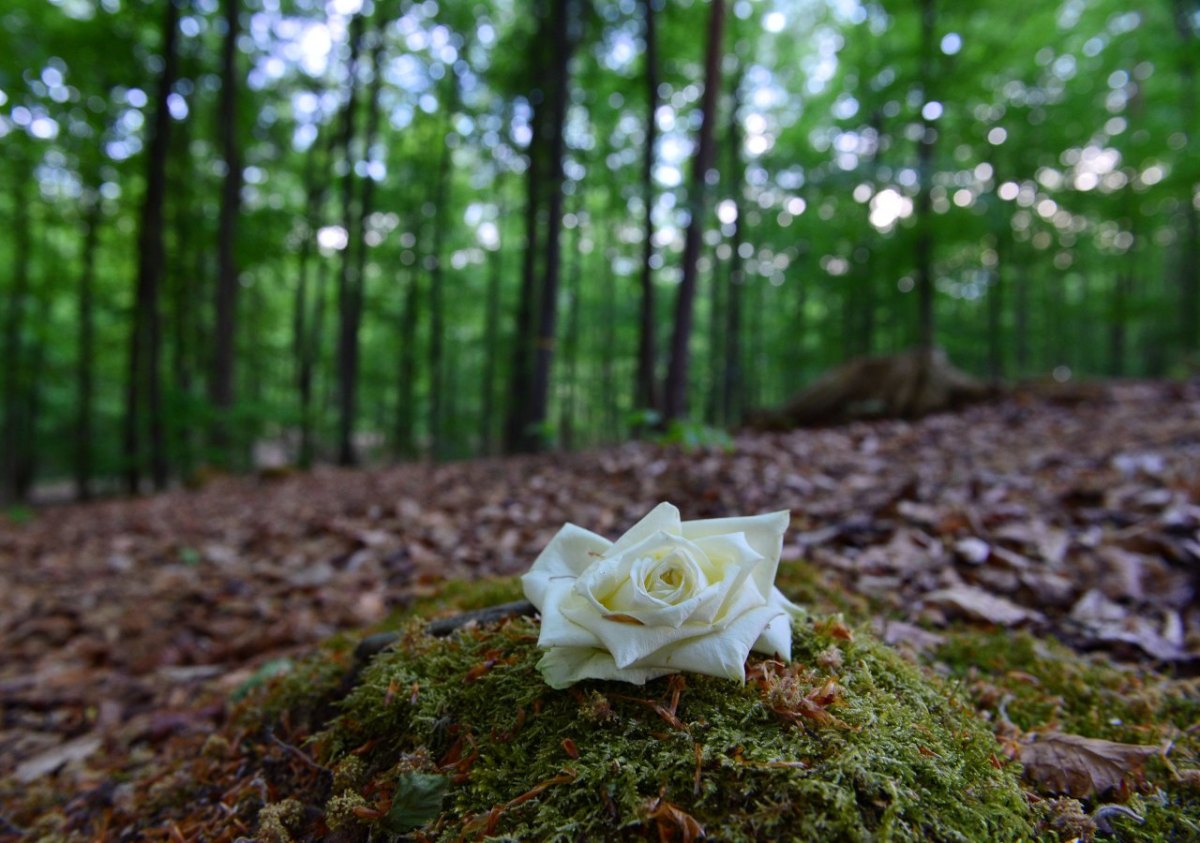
x=668, y=596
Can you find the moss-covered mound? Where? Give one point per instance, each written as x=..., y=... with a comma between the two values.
x=459, y=737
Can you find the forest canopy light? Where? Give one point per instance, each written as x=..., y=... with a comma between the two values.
x=668, y=596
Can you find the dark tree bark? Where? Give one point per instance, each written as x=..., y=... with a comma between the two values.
x=675, y=388
x=406, y=370
x=12, y=446
x=608, y=379
x=923, y=205
x=647, y=378
x=732, y=388
x=995, y=313
x=221, y=387
x=437, y=310
x=306, y=329
x=491, y=335
x=84, y=372
x=145, y=338
x=571, y=349
x=516, y=434
x=348, y=282
x=561, y=46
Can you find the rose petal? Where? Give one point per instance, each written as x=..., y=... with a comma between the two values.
x=569, y=554
x=562, y=667
x=608, y=585
x=776, y=639
x=629, y=642
x=721, y=653
x=664, y=518
x=764, y=533
x=557, y=631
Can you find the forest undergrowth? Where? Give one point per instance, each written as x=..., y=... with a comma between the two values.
x=1041, y=557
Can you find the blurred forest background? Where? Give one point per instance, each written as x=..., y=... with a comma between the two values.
x=238, y=232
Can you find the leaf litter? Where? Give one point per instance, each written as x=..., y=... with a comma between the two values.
x=130, y=624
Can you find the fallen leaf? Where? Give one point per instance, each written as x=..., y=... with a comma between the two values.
x=52, y=759
x=1079, y=766
x=981, y=605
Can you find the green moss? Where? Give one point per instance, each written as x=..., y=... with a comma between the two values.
x=1041, y=685
x=848, y=742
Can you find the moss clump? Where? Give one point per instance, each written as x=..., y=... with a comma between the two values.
x=849, y=741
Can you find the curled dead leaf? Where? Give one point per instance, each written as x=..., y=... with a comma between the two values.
x=1079, y=766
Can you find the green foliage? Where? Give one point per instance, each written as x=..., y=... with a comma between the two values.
x=1062, y=189
x=693, y=436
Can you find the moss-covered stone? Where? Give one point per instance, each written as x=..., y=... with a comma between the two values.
x=849, y=741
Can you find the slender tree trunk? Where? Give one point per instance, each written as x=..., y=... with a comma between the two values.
x=675, y=389
x=608, y=378
x=561, y=45
x=491, y=335
x=348, y=283
x=183, y=277
x=306, y=340
x=406, y=370
x=13, y=370
x=733, y=390
x=995, y=303
x=437, y=310
x=515, y=434
x=923, y=206
x=144, y=345
x=717, y=307
x=567, y=418
x=84, y=371
x=647, y=378
x=221, y=386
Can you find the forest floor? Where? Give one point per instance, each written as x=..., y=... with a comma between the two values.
x=127, y=625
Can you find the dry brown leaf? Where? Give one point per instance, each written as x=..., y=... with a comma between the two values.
x=981, y=605
x=1079, y=766
x=672, y=820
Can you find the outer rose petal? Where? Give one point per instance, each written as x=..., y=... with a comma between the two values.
x=720, y=653
x=628, y=642
x=562, y=667
x=764, y=533
x=664, y=518
x=557, y=631
x=569, y=553
x=777, y=637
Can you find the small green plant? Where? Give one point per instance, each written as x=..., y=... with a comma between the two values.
x=693, y=436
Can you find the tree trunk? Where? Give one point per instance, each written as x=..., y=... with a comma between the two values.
x=647, y=378
x=567, y=409
x=84, y=372
x=12, y=371
x=348, y=283
x=608, y=379
x=491, y=336
x=675, y=388
x=221, y=386
x=732, y=389
x=995, y=313
x=516, y=427
x=561, y=45
x=923, y=206
x=437, y=310
x=145, y=338
x=406, y=370
x=308, y=330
